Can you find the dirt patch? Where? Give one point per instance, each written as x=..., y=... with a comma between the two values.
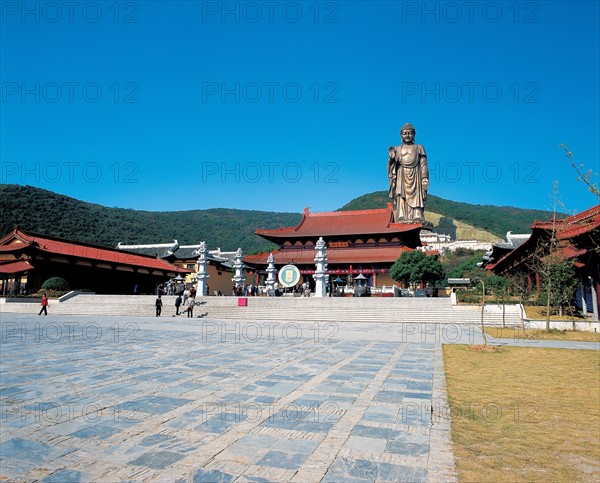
x=483, y=348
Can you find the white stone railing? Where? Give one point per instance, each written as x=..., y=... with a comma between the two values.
x=73, y=293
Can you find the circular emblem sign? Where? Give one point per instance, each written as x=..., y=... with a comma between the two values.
x=289, y=276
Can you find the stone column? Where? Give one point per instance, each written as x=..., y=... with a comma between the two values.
x=202, y=275
x=271, y=270
x=238, y=265
x=320, y=274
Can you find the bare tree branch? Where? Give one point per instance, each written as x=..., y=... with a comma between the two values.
x=587, y=177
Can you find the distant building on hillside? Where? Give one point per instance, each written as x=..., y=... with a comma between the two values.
x=442, y=243
x=500, y=249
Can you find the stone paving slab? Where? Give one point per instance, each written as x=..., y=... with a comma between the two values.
x=124, y=399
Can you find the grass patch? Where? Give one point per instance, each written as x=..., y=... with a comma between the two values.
x=536, y=312
x=524, y=414
x=538, y=334
x=463, y=230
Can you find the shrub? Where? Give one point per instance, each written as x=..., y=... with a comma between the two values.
x=468, y=297
x=56, y=283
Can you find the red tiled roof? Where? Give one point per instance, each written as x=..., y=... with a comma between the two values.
x=11, y=247
x=590, y=213
x=357, y=222
x=17, y=266
x=335, y=256
x=88, y=251
x=574, y=225
x=568, y=252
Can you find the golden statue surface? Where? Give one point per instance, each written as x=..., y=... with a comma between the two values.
x=408, y=176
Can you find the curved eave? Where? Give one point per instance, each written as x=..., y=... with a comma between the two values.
x=341, y=256
x=278, y=236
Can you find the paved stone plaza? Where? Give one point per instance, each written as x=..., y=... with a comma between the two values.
x=133, y=399
x=118, y=399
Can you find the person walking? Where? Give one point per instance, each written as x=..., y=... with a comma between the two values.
x=44, y=305
x=190, y=308
x=177, y=304
x=158, y=304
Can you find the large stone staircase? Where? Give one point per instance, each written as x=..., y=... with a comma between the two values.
x=348, y=309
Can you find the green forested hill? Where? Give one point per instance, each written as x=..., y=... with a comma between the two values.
x=45, y=212
x=494, y=219
x=41, y=211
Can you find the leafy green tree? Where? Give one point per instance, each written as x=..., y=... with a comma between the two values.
x=497, y=285
x=56, y=283
x=462, y=263
x=413, y=267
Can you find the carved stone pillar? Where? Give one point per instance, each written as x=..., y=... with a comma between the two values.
x=271, y=270
x=201, y=263
x=320, y=274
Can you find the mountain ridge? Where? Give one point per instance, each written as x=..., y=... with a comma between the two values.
x=43, y=211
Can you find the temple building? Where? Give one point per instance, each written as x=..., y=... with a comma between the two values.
x=502, y=248
x=29, y=259
x=360, y=241
x=577, y=238
x=219, y=263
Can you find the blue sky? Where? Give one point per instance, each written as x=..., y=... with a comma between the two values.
x=281, y=105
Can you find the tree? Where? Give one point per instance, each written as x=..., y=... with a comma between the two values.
x=587, y=177
x=559, y=281
x=56, y=283
x=552, y=250
x=481, y=281
x=414, y=267
x=557, y=274
x=498, y=286
x=462, y=263
x=517, y=285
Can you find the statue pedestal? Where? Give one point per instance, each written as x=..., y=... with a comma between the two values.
x=320, y=285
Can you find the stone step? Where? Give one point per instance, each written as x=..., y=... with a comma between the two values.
x=390, y=310
x=317, y=311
